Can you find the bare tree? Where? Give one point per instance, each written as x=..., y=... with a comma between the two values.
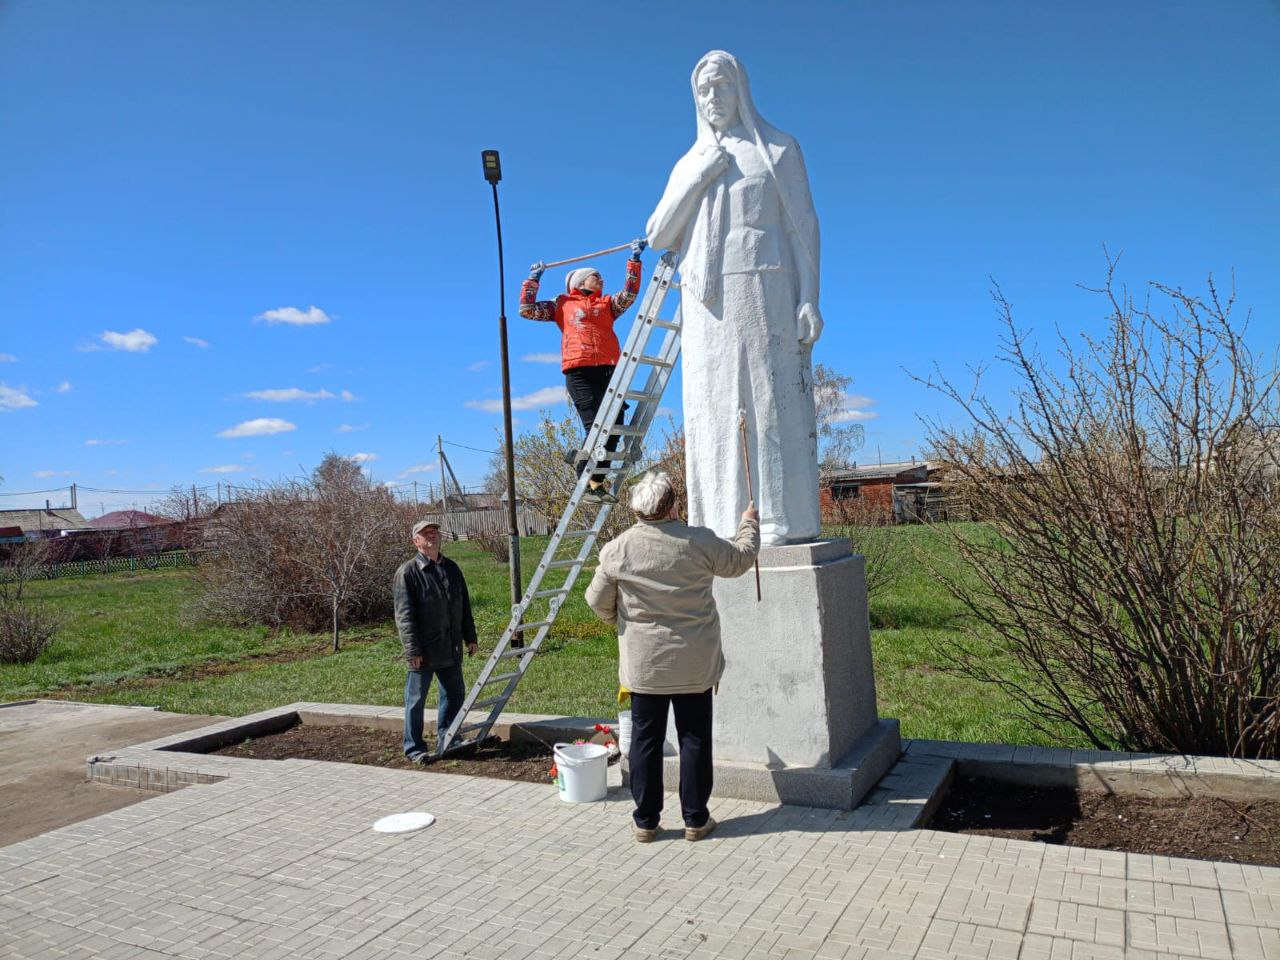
x=308, y=553
x=838, y=441
x=871, y=532
x=1133, y=500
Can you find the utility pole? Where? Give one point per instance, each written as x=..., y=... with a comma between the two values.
x=415, y=493
x=195, y=501
x=73, y=496
x=493, y=174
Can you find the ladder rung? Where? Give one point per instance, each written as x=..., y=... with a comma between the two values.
x=640, y=395
x=587, y=531
x=626, y=432
x=655, y=362
x=556, y=564
x=548, y=593
x=665, y=324
x=517, y=652
x=534, y=625
x=457, y=745
x=486, y=703
x=501, y=677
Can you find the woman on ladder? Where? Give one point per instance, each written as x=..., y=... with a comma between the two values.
x=589, y=348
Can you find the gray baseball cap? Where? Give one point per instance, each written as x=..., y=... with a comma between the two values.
x=423, y=524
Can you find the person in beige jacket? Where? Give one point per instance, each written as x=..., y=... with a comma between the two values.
x=654, y=584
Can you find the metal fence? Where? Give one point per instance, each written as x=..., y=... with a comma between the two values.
x=84, y=568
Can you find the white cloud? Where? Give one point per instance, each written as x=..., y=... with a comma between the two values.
x=8, y=358
x=348, y=396
x=289, y=395
x=261, y=427
x=320, y=368
x=352, y=427
x=197, y=342
x=530, y=401
x=848, y=416
x=54, y=473
x=418, y=468
x=364, y=457
x=293, y=316
x=64, y=386
x=224, y=468
x=104, y=443
x=135, y=341
x=478, y=366
x=14, y=399
x=541, y=358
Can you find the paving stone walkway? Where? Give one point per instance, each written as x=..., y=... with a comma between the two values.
x=281, y=863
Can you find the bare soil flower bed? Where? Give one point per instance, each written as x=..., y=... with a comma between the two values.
x=1202, y=828
x=499, y=759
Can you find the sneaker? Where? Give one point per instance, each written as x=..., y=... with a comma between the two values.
x=697, y=833
x=644, y=834
x=600, y=492
x=421, y=759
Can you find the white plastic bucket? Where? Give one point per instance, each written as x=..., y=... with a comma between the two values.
x=581, y=771
x=624, y=732
x=670, y=748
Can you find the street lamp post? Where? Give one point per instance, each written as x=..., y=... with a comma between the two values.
x=493, y=174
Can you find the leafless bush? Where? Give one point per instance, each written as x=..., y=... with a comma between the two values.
x=1130, y=562
x=496, y=543
x=670, y=458
x=870, y=529
x=307, y=554
x=838, y=440
x=26, y=628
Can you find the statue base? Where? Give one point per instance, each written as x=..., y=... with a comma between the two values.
x=795, y=716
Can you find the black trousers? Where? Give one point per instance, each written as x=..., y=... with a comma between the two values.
x=587, y=387
x=648, y=731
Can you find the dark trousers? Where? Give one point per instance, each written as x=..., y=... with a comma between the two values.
x=648, y=731
x=452, y=692
x=587, y=387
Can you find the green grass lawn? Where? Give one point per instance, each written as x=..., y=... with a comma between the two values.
x=126, y=639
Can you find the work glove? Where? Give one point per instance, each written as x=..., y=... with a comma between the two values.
x=637, y=248
x=623, y=695
x=536, y=271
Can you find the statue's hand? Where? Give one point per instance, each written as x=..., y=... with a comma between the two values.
x=715, y=161
x=808, y=324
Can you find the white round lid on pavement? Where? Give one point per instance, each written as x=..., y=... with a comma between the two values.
x=404, y=822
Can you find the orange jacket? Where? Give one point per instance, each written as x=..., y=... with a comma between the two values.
x=585, y=320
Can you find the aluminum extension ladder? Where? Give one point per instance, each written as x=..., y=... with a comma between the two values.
x=579, y=527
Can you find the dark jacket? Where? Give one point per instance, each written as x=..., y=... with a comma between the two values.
x=433, y=625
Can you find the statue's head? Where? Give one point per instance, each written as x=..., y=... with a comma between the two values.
x=715, y=86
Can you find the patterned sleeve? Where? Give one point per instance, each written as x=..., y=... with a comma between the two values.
x=621, y=301
x=531, y=308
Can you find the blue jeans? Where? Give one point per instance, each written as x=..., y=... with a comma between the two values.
x=452, y=693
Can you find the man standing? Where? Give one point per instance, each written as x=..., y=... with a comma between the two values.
x=654, y=583
x=433, y=616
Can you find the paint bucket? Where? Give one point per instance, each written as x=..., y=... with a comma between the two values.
x=581, y=771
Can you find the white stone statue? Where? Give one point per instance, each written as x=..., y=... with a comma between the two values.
x=737, y=209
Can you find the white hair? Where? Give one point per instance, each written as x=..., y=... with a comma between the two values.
x=649, y=494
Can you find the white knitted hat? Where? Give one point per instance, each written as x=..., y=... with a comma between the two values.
x=574, y=280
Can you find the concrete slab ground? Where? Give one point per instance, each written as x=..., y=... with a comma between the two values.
x=277, y=860
x=43, y=744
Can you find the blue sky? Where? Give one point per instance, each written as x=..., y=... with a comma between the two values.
x=183, y=184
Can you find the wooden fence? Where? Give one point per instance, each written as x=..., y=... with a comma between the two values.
x=467, y=524
x=83, y=568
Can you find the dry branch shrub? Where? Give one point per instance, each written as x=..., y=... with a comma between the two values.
x=307, y=554
x=869, y=528
x=1133, y=501
x=26, y=628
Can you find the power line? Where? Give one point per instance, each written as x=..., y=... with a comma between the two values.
x=465, y=447
x=32, y=493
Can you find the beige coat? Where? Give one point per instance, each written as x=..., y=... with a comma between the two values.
x=654, y=583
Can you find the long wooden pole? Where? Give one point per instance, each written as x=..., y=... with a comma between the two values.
x=746, y=462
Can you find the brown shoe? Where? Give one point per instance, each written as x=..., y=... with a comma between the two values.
x=644, y=834
x=697, y=833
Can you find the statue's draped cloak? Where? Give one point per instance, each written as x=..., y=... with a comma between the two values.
x=748, y=253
